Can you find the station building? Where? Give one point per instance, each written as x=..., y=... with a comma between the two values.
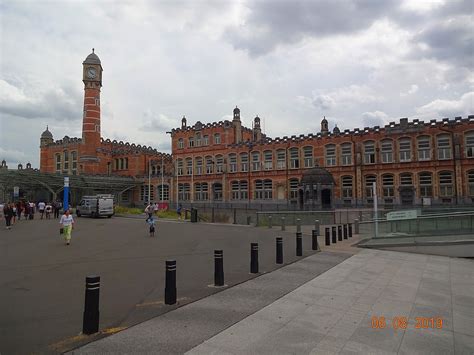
x=411, y=162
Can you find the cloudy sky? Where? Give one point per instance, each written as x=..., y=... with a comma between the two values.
x=357, y=62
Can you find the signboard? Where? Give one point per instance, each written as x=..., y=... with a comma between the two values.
x=16, y=192
x=398, y=215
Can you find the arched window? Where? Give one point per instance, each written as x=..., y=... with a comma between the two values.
x=198, y=161
x=217, y=138
x=179, y=167
x=281, y=159
x=189, y=166
x=294, y=158
x=219, y=163
x=163, y=193
x=469, y=144
x=232, y=163
x=308, y=157
x=191, y=142
x=330, y=155
x=368, y=182
x=58, y=162
x=255, y=161
x=404, y=151
x=369, y=152
x=294, y=189
x=346, y=153
x=66, y=160
x=209, y=165
x=406, y=179
x=244, y=162
x=387, y=151
x=443, y=142
x=205, y=140
x=180, y=143
x=425, y=181
x=388, y=185
x=144, y=193
x=263, y=189
x=346, y=183
x=201, y=191
x=239, y=190
x=424, y=148
x=184, y=192
x=445, y=184
x=268, y=160
x=470, y=182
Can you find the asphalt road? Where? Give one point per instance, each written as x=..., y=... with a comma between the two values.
x=42, y=281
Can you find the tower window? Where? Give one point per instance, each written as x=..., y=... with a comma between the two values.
x=180, y=143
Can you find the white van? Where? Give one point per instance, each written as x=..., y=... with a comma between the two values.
x=96, y=206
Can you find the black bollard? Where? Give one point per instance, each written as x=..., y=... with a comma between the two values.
x=314, y=244
x=170, y=282
x=218, y=268
x=339, y=233
x=90, y=322
x=299, y=244
x=254, y=258
x=345, y=231
x=328, y=237
x=334, y=236
x=270, y=221
x=350, y=230
x=279, y=250
x=298, y=225
x=283, y=223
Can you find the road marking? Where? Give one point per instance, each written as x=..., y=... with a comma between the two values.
x=68, y=343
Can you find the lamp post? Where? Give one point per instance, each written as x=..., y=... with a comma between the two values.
x=162, y=178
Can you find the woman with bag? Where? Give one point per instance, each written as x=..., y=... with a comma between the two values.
x=67, y=224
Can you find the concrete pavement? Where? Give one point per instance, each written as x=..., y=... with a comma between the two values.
x=333, y=313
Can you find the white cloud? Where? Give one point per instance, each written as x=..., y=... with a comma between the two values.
x=448, y=108
x=376, y=118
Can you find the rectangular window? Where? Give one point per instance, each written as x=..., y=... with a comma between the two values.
x=199, y=166
x=405, y=179
x=184, y=192
x=217, y=138
x=294, y=158
x=281, y=159
x=66, y=161
x=405, y=150
x=180, y=143
x=330, y=155
x=219, y=164
x=445, y=184
x=180, y=167
x=470, y=181
x=293, y=189
x=308, y=157
x=255, y=161
x=426, y=189
x=346, y=154
x=369, y=153
x=198, y=139
x=163, y=193
x=191, y=142
x=347, y=186
x=144, y=193
x=470, y=145
x=444, y=148
x=189, y=167
x=268, y=160
x=209, y=165
x=58, y=163
x=424, y=148
x=387, y=184
x=205, y=140
x=369, y=191
x=387, y=152
x=232, y=163
x=244, y=163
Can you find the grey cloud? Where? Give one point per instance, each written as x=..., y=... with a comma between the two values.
x=271, y=23
x=323, y=102
x=376, y=118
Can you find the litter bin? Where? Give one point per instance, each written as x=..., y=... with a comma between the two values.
x=194, y=215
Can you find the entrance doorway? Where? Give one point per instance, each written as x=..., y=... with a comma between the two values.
x=326, y=198
x=407, y=195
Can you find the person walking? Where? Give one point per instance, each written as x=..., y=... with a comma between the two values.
x=41, y=207
x=67, y=223
x=48, y=209
x=151, y=223
x=179, y=210
x=149, y=210
x=8, y=213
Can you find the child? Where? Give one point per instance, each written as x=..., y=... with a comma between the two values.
x=151, y=223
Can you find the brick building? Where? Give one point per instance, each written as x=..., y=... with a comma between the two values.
x=412, y=163
x=94, y=155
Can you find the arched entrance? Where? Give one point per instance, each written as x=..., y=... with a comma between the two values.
x=316, y=188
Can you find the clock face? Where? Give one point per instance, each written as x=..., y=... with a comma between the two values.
x=91, y=73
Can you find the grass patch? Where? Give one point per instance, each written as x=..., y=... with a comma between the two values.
x=138, y=211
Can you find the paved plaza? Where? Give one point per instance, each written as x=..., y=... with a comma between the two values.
x=42, y=281
x=331, y=314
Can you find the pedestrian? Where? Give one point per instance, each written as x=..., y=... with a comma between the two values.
x=178, y=211
x=8, y=213
x=149, y=210
x=67, y=224
x=57, y=208
x=48, y=209
x=19, y=209
x=151, y=223
x=13, y=207
x=31, y=210
x=156, y=207
x=41, y=207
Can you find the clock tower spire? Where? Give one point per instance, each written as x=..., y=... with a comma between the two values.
x=92, y=78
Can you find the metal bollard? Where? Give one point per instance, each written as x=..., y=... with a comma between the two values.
x=283, y=223
x=170, y=282
x=328, y=237
x=350, y=230
x=218, y=268
x=270, y=221
x=279, y=250
x=314, y=244
x=235, y=216
x=298, y=225
x=344, y=226
x=254, y=258
x=334, y=237
x=299, y=244
x=339, y=233
x=356, y=226
x=249, y=219
x=90, y=322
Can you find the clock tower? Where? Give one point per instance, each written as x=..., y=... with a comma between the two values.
x=92, y=78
